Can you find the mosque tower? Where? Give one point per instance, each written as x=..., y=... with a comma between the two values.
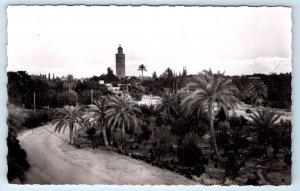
x=120, y=63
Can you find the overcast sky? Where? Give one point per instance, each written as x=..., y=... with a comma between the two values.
x=83, y=41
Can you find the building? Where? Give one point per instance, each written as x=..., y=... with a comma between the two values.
x=120, y=63
x=119, y=91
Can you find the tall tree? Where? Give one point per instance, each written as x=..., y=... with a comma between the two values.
x=142, y=68
x=110, y=71
x=69, y=82
x=184, y=72
x=169, y=107
x=121, y=113
x=68, y=116
x=168, y=77
x=110, y=77
x=154, y=76
x=208, y=88
x=97, y=114
x=257, y=90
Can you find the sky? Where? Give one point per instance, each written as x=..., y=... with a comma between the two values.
x=83, y=40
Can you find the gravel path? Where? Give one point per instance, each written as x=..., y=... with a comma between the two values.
x=54, y=161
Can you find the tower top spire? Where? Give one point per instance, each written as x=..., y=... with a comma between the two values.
x=120, y=49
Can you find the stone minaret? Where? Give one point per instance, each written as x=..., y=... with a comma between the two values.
x=120, y=63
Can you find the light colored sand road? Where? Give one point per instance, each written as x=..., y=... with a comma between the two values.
x=54, y=161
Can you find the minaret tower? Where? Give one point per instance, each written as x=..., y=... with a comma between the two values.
x=120, y=63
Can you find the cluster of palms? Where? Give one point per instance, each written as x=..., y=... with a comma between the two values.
x=199, y=98
x=110, y=111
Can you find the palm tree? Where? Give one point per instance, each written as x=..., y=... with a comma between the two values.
x=142, y=68
x=168, y=75
x=208, y=88
x=169, y=106
x=69, y=82
x=264, y=121
x=69, y=116
x=121, y=113
x=256, y=90
x=97, y=114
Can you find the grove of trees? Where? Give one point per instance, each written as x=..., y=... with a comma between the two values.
x=188, y=132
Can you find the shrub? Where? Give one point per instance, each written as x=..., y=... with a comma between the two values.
x=147, y=110
x=84, y=97
x=15, y=121
x=84, y=140
x=91, y=131
x=189, y=153
x=183, y=126
x=146, y=132
x=16, y=157
x=67, y=98
x=136, y=95
x=36, y=120
x=233, y=166
x=221, y=115
x=224, y=140
x=135, y=92
x=161, y=141
x=121, y=140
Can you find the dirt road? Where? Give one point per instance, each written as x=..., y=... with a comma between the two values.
x=54, y=161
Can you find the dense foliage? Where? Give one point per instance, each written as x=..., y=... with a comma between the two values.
x=279, y=88
x=192, y=130
x=16, y=156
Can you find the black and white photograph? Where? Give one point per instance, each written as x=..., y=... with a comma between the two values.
x=149, y=95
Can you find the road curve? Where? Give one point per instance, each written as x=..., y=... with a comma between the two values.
x=54, y=161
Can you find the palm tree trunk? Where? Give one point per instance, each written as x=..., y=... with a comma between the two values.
x=142, y=74
x=212, y=132
x=123, y=129
x=71, y=135
x=105, y=136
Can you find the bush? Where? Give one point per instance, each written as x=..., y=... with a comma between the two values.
x=135, y=92
x=91, y=131
x=189, y=153
x=161, y=141
x=68, y=98
x=146, y=132
x=15, y=121
x=36, y=120
x=221, y=115
x=16, y=157
x=183, y=126
x=233, y=166
x=84, y=140
x=121, y=140
x=84, y=97
x=136, y=95
x=224, y=140
x=147, y=110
